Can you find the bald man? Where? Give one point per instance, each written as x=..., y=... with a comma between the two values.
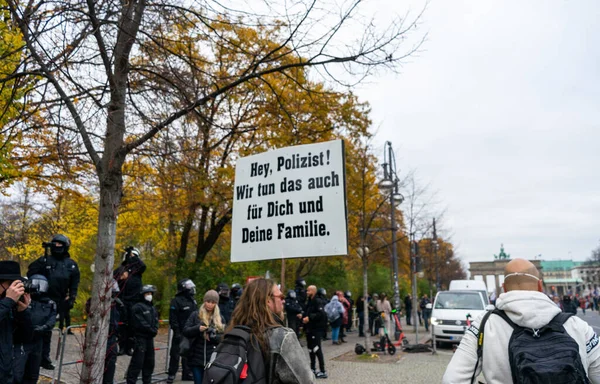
x=525, y=305
x=315, y=324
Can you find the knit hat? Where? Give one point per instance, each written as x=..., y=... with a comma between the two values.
x=211, y=295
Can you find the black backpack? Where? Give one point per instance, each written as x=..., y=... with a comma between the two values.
x=237, y=359
x=545, y=355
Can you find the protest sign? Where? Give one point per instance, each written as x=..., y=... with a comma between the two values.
x=290, y=202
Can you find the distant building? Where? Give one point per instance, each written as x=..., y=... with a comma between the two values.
x=560, y=278
x=589, y=275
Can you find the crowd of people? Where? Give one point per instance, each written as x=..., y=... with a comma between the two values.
x=30, y=308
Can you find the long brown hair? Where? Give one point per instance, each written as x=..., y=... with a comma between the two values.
x=253, y=311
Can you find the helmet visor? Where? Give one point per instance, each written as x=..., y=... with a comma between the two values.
x=41, y=284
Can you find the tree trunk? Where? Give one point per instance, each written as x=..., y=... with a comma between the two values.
x=185, y=233
x=97, y=327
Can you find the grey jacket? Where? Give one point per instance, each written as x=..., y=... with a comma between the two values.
x=288, y=361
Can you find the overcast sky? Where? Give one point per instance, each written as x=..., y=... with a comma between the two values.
x=500, y=113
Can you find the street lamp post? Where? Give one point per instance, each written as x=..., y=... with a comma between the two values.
x=390, y=183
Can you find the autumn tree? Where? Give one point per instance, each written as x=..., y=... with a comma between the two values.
x=11, y=88
x=91, y=92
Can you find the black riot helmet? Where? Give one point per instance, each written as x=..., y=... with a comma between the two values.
x=223, y=289
x=291, y=294
x=148, y=288
x=62, y=247
x=186, y=285
x=321, y=292
x=348, y=294
x=300, y=283
x=40, y=282
x=131, y=253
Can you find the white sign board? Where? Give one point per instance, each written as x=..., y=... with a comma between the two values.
x=290, y=202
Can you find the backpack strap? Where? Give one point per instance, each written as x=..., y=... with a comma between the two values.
x=480, y=337
x=556, y=324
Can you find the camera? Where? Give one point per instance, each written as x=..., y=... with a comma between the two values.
x=212, y=334
x=31, y=287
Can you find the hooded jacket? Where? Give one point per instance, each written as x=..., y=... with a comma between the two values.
x=528, y=309
x=334, y=309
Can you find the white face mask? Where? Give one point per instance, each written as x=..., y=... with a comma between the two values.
x=148, y=298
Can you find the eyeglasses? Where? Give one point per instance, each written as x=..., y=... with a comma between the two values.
x=280, y=296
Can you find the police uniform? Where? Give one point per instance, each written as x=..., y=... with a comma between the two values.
x=63, y=277
x=144, y=319
x=182, y=306
x=129, y=293
x=28, y=355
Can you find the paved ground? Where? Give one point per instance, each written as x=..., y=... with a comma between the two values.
x=412, y=367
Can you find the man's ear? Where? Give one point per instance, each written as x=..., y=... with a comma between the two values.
x=504, y=288
x=540, y=286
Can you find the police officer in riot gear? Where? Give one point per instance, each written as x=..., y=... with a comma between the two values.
x=226, y=303
x=62, y=273
x=28, y=354
x=236, y=293
x=301, y=293
x=144, y=320
x=182, y=306
x=293, y=310
x=129, y=277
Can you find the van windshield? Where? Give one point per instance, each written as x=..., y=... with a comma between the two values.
x=459, y=300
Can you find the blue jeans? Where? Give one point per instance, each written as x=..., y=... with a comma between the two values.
x=335, y=333
x=335, y=329
x=198, y=372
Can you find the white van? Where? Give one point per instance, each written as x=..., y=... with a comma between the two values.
x=450, y=311
x=471, y=285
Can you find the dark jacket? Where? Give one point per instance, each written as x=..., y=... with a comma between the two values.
x=201, y=348
x=226, y=306
x=423, y=304
x=315, y=311
x=292, y=307
x=408, y=304
x=132, y=285
x=570, y=306
x=12, y=323
x=360, y=305
x=43, y=315
x=301, y=296
x=182, y=306
x=118, y=313
x=144, y=319
x=62, y=274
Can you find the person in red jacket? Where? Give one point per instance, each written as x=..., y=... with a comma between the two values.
x=345, y=318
